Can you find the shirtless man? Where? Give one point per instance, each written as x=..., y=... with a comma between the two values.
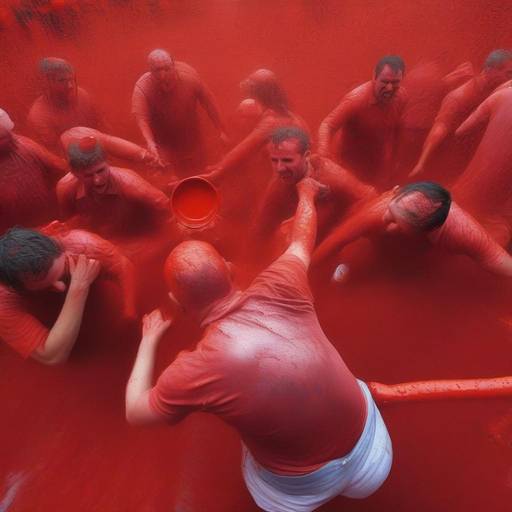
x=485, y=186
x=424, y=210
x=290, y=154
x=61, y=106
x=28, y=174
x=310, y=430
x=116, y=203
x=459, y=103
x=164, y=102
x=369, y=119
x=33, y=263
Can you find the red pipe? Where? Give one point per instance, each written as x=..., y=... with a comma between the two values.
x=441, y=390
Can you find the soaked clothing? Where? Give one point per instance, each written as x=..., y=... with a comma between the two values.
x=172, y=115
x=369, y=132
x=28, y=174
x=23, y=331
x=48, y=120
x=128, y=207
x=265, y=367
x=280, y=200
x=357, y=475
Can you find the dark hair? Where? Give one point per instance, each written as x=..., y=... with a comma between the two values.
x=395, y=62
x=25, y=252
x=436, y=194
x=497, y=58
x=80, y=160
x=265, y=88
x=291, y=132
x=50, y=66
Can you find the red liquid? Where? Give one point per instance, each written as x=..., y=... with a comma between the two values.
x=194, y=200
x=413, y=316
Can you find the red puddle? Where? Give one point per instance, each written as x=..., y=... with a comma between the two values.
x=410, y=316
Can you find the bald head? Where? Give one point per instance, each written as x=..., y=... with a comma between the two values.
x=263, y=86
x=159, y=56
x=161, y=66
x=197, y=275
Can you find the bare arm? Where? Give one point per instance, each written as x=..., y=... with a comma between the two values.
x=209, y=104
x=56, y=166
x=479, y=117
x=331, y=124
x=138, y=409
x=303, y=235
x=63, y=334
x=436, y=136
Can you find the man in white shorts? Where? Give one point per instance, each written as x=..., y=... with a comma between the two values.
x=310, y=430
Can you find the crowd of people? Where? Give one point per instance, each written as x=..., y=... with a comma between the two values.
x=72, y=220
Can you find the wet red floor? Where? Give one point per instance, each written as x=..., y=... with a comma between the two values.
x=65, y=445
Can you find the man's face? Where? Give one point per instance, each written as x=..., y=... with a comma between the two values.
x=95, y=178
x=402, y=209
x=55, y=279
x=501, y=75
x=287, y=161
x=386, y=84
x=63, y=85
x=6, y=140
x=164, y=72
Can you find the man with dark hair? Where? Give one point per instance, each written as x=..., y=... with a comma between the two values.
x=310, y=430
x=28, y=173
x=62, y=105
x=368, y=120
x=424, y=210
x=116, y=203
x=31, y=264
x=164, y=102
x=460, y=102
x=290, y=154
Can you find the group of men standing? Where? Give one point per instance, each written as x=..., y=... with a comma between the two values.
x=310, y=429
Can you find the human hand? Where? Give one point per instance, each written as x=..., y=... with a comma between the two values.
x=309, y=186
x=154, y=325
x=83, y=272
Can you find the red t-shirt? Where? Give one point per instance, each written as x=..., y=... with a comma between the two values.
x=172, y=114
x=22, y=330
x=49, y=121
x=27, y=179
x=265, y=367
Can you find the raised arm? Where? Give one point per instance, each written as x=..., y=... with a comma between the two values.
x=62, y=336
x=138, y=408
x=303, y=235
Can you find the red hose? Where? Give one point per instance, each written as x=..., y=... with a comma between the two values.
x=441, y=389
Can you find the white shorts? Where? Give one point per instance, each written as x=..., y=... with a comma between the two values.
x=357, y=475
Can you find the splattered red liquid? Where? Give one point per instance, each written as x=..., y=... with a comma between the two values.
x=412, y=316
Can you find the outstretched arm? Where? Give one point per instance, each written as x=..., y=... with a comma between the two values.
x=478, y=118
x=437, y=134
x=331, y=124
x=367, y=219
x=138, y=408
x=209, y=104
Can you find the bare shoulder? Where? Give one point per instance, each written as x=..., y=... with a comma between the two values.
x=187, y=73
x=67, y=185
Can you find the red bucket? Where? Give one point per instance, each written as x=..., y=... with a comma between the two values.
x=195, y=201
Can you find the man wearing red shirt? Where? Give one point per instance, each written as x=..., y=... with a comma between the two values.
x=310, y=430
x=423, y=210
x=164, y=102
x=61, y=106
x=459, y=103
x=116, y=203
x=68, y=262
x=369, y=119
x=28, y=173
x=290, y=154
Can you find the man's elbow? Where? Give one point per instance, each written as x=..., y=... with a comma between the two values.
x=50, y=359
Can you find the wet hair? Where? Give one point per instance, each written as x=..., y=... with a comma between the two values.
x=291, y=132
x=80, y=160
x=25, y=252
x=497, y=58
x=265, y=88
x=436, y=194
x=395, y=62
x=51, y=66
